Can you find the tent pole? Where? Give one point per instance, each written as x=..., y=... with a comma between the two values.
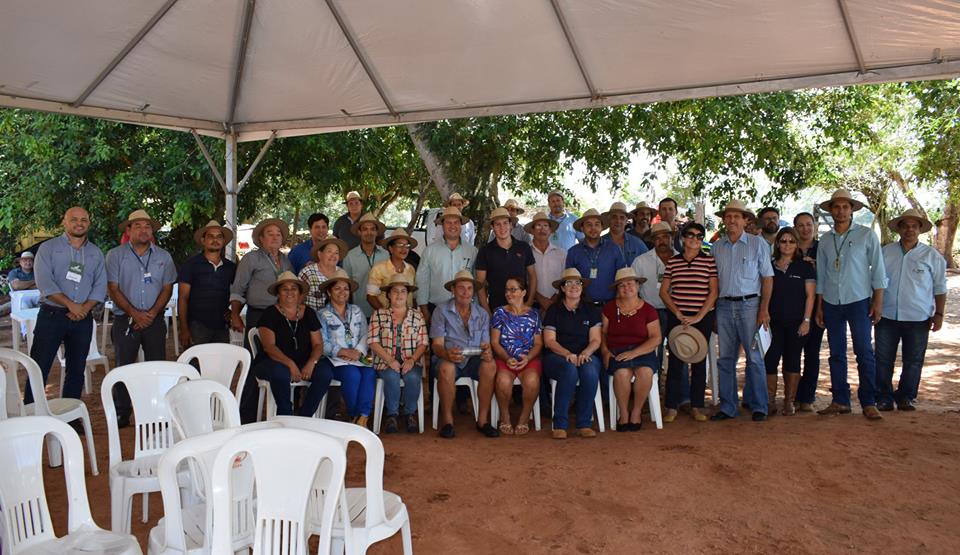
x=231, y=190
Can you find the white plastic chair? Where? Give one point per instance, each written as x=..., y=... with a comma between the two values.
x=378, y=401
x=170, y=312
x=201, y=406
x=597, y=403
x=26, y=516
x=371, y=514
x=266, y=394
x=94, y=358
x=147, y=383
x=25, y=298
x=653, y=401
x=220, y=362
x=63, y=409
x=465, y=380
x=495, y=410
x=285, y=485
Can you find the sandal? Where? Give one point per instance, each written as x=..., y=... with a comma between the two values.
x=522, y=429
x=506, y=429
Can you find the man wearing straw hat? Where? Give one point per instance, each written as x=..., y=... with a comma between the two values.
x=595, y=259
x=630, y=247
x=517, y=231
x=550, y=258
x=502, y=258
x=363, y=257
x=442, y=260
x=345, y=226
x=912, y=306
x=203, y=303
x=564, y=236
x=850, y=283
x=642, y=216
x=140, y=278
x=468, y=231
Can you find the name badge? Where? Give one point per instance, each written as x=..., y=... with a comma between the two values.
x=593, y=273
x=147, y=278
x=75, y=272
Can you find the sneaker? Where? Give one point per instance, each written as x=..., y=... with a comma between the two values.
x=413, y=424
x=871, y=413
x=391, y=425
x=886, y=406
x=835, y=408
x=447, y=432
x=906, y=406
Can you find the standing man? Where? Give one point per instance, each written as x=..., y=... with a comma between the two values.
x=850, y=284
x=642, y=216
x=361, y=258
x=72, y=280
x=140, y=278
x=319, y=226
x=345, y=226
x=668, y=210
x=746, y=281
x=806, y=228
x=503, y=257
x=22, y=278
x=203, y=303
x=595, y=258
x=912, y=307
x=550, y=258
x=442, y=260
x=564, y=236
x=630, y=246
x=468, y=231
x=769, y=221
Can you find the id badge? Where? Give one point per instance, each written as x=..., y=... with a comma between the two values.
x=147, y=278
x=75, y=272
x=593, y=273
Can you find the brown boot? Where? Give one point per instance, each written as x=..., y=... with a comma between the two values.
x=790, y=383
x=771, y=394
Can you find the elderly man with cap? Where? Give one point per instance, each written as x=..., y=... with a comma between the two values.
x=140, y=278
x=504, y=257
x=595, y=258
x=22, y=278
x=319, y=226
x=642, y=216
x=203, y=301
x=363, y=257
x=631, y=247
x=550, y=258
x=468, y=231
x=912, y=306
x=399, y=245
x=442, y=260
x=72, y=279
x=564, y=236
x=345, y=228
x=517, y=231
x=460, y=339
x=850, y=283
x=746, y=280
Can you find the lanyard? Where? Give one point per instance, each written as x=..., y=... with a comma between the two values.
x=838, y=250
x=146, y=266
x=595, y=255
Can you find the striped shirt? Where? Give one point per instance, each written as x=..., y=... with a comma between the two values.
x=690, y=281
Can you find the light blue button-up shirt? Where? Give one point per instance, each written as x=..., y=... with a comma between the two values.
x=342, y=333
x=141, y=278
x=742, y=264
x=53, y=261
x=860, y=265
x=357, y=265
x=915, y=277
x=438, y=265
x=633, y=247
x=565, y=236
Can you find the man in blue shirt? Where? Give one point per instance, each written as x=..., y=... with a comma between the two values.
x=319, y=226
x=597, y=259
x=912, y=307
x=203, y=304
x=630, y=245
x=22, y=278
x=564, y=236
x=850, y=284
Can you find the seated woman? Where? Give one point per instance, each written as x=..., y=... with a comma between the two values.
x=324, y=257
x=630, y=336
x=515, y=337
x=292, y=348
x=571, y=335
x=344, y=331
x=398, y=338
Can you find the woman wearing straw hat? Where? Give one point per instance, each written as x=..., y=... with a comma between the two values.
x=398, y=338
x=344, y=330
x=326, y=254
x=292, y=347
x=399, y=245
x=516, y=340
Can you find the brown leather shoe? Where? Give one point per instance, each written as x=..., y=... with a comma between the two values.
x=586, y=432
x=804, y=407
x=559, y=434
x=871, y=413
x=835, y=408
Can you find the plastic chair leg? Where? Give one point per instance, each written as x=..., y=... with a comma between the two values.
x=436, y=405
x=377, y=406
x=91, y=449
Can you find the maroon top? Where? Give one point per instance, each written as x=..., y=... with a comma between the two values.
x=627, y=331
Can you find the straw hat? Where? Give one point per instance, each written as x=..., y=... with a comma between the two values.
x=282, y=225
x=136, y=216
x=456, y=196
x=643, y=206
x=451, y=212
x=227, y=233
x=626, y=274
x=339, y=275
x=736, y=205
x=591, y=213
x=512, y=203
x=616, y=208
x=352, y=195
x=910, y=213
x=660, y=227
x=462, y=275
x=398, y=279
x=541, y=217
x=284, y=278
x=341, y=246
x=570, y=273
x=842, y=194
x=396, y=234
x=368, y=217
x=499, y=212
x=687, y=344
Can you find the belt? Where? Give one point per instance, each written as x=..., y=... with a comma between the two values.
x=52, y=308
x=740, y=299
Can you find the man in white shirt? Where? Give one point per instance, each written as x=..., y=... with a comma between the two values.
x=550, y=258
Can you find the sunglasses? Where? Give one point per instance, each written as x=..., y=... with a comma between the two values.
x=698, y=236
x=787, y=242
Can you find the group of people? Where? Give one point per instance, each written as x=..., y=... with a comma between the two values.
x=556, y=297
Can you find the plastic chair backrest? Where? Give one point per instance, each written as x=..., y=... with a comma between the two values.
x=253, y=338
x=11, y=361
x=19, y=298
x=93, y=353
x=219, y=362
x=147, y=383
x=202, y=406
x=284, y=485
x=26, y=516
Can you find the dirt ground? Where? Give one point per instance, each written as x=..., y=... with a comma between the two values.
x=802, y=484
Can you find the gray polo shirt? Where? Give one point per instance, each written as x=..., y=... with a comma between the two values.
x=53, y=263
x=141, y=278
x=255, y=272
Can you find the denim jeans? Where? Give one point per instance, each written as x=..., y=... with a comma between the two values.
x=680, y=386
x=53, y=327
x=555, y=367
x=737, y=326
x=836, y=317
x=807, y=390
x=278, y=375
x=392, y=391
x=357, y=385
x=913, y=336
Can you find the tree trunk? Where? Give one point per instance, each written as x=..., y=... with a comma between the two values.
x=911, y=198
x=946, y=230
x=418, y=208
x=431, y=161
x=296, y=220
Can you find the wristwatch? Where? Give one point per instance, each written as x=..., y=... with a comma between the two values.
x=806, y=320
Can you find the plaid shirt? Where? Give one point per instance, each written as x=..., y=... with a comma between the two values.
x=413, y=333
x=316, y=298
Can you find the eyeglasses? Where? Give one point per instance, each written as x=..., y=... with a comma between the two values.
x=513, y=289
x=698, y=236
x=402, y=245
x=787, y=242
x=573, y=282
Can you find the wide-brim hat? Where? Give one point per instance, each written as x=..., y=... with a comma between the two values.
x=737, y=206
x=910, y=214
x=570, y=273
x=451, y=212
x=842, y=194
x=688, y=344
x=136, y=216
x=339, y=275
x=281, y=225
x=341, y=246
x=368, y=217
x=616, y=208
x=499, y=212
x=284, y=278
x=512, y=203
x=398, y=279
x=227, y=233
x=660, y=227
x=457, y=196
x=626, y=274
x=641, y=206
x=591, y=213
x=396, y=234
x=541, y=217
x=462, y=275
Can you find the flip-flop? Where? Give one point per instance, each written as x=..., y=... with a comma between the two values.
x=522, y=429
x=506, y=429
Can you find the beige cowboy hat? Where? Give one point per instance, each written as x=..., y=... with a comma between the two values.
x=842, y=194
x=591, y=213
x=660, y=227
x=910, y=213
x=352, y=195
x=457, y=196
x=281, y=225
x=284, y=278
x=398, y=279
x=136, y=216
x=736, y=205
x=643, y=206
x=462, y=275
x=227, y=233
x=339, y=275
x=341, y=246
x=626, y=274
x=368, y=217
x=688, y=344
x=499, y=212
x=395, y=235
x=541, y=217
x=451, y=212
x=568, y=274
x=512, y=203
x=616, y=208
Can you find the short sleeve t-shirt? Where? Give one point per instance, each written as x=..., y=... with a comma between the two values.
x=572, y=326
x=516, y=332
x=292, y=336
x=501, y=264
x=789, y=291
x=690, y=281
x=627, y=332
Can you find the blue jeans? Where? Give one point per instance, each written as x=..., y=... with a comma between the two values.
x=807, y=390
x=555, y=367
x=392, y=390
x=357, y=385
x=913, y=336
x=278, y=375
x=737, y=326
x=53, y=327
x=836, y=317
